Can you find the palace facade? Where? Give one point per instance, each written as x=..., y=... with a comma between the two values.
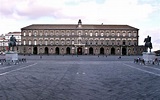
x=82, y=39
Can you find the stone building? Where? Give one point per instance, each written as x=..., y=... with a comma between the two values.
x=4, y=40
x=82, y=39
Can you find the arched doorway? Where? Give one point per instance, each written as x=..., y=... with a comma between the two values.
x=124, y=51
x=57, y=50
x=46, y=50
x=68, y=50
x=35, y=50
x=102, y=51
x=91, y=51
x=112, y=51
x=79, y=51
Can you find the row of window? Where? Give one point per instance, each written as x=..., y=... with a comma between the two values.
x=79, y=42
x=80, y=34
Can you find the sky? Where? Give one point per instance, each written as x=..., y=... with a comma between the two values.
x=142, y=14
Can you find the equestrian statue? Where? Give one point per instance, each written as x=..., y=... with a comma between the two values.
x=12, y=43
x=148, y=43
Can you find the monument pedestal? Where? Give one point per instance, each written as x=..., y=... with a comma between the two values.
x=11, y=56
x=149, y=56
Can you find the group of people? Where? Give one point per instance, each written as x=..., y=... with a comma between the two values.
x=141, y=61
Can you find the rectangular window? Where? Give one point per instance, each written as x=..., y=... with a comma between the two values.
x=107, y=42
x=24, y=42
x=118, y=34
x=101, y=34
x=79, y=42
x=68, y=34
x=135, y=34
x=57, y=42
x=62, y=42
x=129, y=34
x=35, y=42
x=107, y=34
x=51, y=33
x=72, y=41
x=46, y=33
x=68, y=42
x=41, y=34
x=129, y=43
x=29, y=42
x=30, y=34
x=51, y=42
x=46, y=42
x=40, y=42
x=35, y=34
x=90, y=34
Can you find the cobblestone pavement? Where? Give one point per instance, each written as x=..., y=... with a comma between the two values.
x=79, y=78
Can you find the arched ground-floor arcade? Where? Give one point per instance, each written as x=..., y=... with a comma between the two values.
x=82, y=50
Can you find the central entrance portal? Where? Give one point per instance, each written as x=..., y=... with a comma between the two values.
x=79, y=51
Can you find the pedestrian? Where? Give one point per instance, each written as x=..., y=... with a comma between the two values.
x=119, y=57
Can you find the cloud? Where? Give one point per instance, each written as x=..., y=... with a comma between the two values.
x=29, y=8
x=112, y=10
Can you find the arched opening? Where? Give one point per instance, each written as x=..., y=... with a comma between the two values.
x=124, y=51
x=102, y=51
x=57, y=50
x=35, y=50
x=79, y=51
x=112, y=51
x=46, y=50
x=91, y=51
x=68, y=50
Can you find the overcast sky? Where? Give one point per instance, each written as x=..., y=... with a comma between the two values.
x=142, y=14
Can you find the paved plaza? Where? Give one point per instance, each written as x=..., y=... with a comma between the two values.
x=79, y=78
